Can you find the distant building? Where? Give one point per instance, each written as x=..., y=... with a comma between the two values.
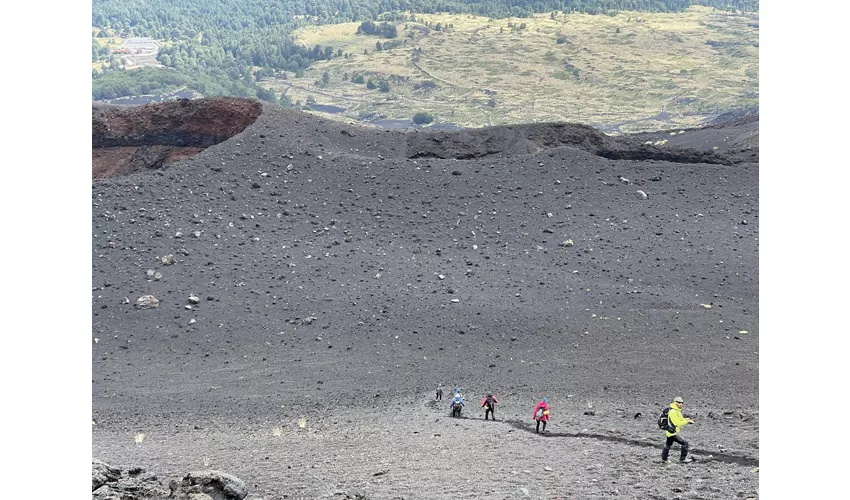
x=143, y=49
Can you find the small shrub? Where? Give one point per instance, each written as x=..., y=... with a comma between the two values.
x=422, y=118
x=426, y=84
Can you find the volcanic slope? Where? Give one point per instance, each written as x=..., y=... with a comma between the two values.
x=343, y=272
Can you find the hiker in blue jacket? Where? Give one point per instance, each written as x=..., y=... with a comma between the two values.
x=458, y=398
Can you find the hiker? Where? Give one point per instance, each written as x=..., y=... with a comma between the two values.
x=676, y=422
x=489, y=405
x=456, y=404
x=541, y=414
x=439, y=392
x=458, y=393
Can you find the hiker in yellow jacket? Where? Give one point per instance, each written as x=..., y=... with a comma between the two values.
x=676, y=422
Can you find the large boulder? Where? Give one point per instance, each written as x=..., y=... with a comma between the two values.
x=102, y=473
x=135, y=485
x=217, y=485
x=109, y=483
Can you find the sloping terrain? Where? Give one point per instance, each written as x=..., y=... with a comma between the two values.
x=316, y=281
x=625, y=71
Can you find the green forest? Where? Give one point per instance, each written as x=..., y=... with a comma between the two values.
x=210, y=46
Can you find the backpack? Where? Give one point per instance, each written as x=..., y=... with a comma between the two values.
x=539, y=413
x=664, y=421
x=489, y=402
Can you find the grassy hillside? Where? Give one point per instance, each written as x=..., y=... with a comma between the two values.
x=620, y=70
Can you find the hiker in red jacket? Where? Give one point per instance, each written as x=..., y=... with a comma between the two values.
x=541, y=414
x=489, y=405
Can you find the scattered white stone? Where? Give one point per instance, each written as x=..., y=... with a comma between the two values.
x=442, y=277
x=187, y=306
x=567, y=243
x=157, y=276
x=150, y=273
x=624, y=180
x=455, y=301
x=147, y=302
x=192, y=321
x=178, y=234
x=640, y=195
x=196, y=234
x=547, y=469
x=168, y=260
x=194, y=299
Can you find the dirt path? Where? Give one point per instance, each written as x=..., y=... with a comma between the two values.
x=526, y=426
x=320, y=92
x=411, y=449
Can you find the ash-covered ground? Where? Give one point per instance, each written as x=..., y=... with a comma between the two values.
x=316, y=281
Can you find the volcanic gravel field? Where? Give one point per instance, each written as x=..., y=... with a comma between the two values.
x=339, y=273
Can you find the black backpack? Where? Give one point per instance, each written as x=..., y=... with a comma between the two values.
x=664, y=421
x=489, y=402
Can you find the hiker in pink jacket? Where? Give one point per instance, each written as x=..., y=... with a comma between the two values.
x=489, y=405
x=541, y=414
